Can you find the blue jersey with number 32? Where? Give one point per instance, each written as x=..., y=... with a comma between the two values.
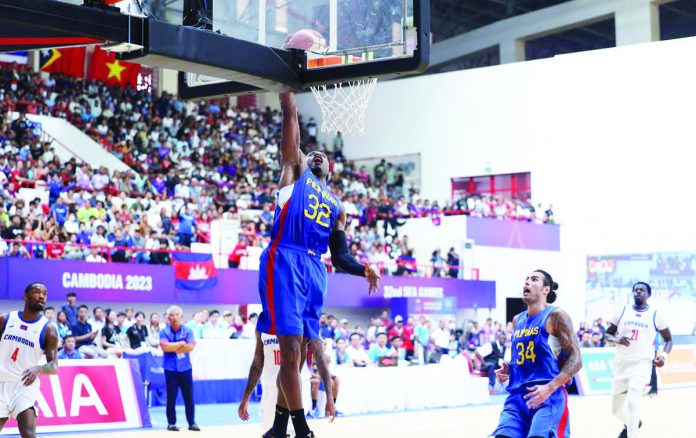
x=533, y=358
x=307, y=218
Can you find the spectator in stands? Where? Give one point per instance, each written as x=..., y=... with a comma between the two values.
x=597, y=340
x=214, y=328
x=438, y=263
x=68, y=351
x=326, y=331
x=379, y=349
x=137, y=334
x=95, y=256
x=440, y=337
x=249, y=330
x=177, y=341
x=161, y=257
x=97, y=321
x=422, y=337
x=453, y=263
x=153, y=331
x=62, y=324
x=342, y=331
x=585, y=341
x=397, y=349
x=356, y=351
x=84, y=334
x=70, y=308
x=492, y=355
x=110, y=335
x=130, y=318
x=339, y=355
x=187, y=227
x=239, y=251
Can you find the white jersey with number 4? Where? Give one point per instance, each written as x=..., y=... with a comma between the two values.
x=641, y=328
x=21, y=346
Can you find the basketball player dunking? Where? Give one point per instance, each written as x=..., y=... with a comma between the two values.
x=538, y=402
x=265, y=366
x=24, y=337
x=633, y=330
x=309, y=220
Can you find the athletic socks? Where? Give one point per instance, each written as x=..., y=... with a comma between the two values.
x=280, y=423
x=300, y=423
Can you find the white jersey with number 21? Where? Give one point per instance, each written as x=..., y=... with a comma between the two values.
x=641, y=328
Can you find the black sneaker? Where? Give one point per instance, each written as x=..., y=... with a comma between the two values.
x=194, y=427
x=624, y=432
x=172, y=428
x=268, y=434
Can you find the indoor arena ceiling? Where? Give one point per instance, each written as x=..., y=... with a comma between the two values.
x=454, y=17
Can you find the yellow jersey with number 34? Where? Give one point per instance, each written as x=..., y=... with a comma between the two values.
x=307, y=217
x=534, y=358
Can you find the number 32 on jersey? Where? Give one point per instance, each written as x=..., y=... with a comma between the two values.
x=317, y=211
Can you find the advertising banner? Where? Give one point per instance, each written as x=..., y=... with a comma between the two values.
x=680, y=369
x=90, y=395
x=137, y=283
x=595, y=375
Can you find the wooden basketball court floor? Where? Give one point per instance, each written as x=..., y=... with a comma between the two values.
x=670, y=414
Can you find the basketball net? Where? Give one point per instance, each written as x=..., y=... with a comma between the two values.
x=343, y=106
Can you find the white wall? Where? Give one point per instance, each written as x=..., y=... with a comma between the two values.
x=607, y=135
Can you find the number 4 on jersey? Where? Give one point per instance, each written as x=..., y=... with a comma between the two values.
x=15, y=354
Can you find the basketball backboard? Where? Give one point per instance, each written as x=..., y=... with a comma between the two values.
x=364, y=38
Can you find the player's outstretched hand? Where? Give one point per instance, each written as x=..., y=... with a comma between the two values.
x=373, y=277
x=659, y=361
x=625, y=341
x=537, y=395
x=29, y=375
x=503, y=373
x=243, y=410
x=330, y=410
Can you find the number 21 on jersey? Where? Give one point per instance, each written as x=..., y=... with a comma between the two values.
x=525, y=352
x=317, y=211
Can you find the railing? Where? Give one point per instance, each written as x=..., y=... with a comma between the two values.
x=143, y=255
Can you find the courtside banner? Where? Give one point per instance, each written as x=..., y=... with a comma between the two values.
x=595, y=376
x=680, y=369
x=89, y=395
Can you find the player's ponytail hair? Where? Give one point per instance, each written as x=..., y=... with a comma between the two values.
x=548, y=281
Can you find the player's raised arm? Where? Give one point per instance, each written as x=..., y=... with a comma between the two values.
x=51, y=351
x=254, y=375
x=559, y=325
x=292, y=160
x=342, y=259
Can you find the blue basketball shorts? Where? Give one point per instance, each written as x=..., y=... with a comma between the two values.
x=292, y=288
x=548, y=420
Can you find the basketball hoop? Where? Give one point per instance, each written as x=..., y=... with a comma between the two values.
x=343, y=107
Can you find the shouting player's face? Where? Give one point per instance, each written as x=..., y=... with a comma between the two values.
x=640, y=295
x=534, y=289
x=35, y=298
x=318, y=163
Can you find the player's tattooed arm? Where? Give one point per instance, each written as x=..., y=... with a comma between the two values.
x=322, y=366
x=254, y=375
x=562, y=328
x=51, y=351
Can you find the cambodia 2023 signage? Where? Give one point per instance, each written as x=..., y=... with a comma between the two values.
x=133, y=283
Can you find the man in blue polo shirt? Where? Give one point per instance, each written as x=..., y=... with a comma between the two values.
x=177, y=341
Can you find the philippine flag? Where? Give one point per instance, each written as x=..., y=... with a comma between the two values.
x=194, y=271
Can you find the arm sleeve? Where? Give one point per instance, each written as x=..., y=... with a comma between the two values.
x=341, y=258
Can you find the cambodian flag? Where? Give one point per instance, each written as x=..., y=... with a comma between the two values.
x=194, y=271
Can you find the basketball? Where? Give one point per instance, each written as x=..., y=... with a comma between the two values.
x=306, y=39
